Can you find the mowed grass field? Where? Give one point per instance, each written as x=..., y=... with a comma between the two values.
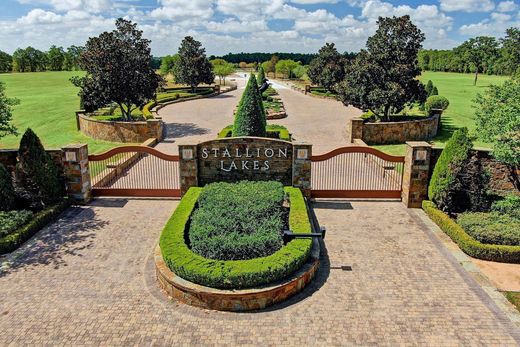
x=48, y=102
x=460, y=91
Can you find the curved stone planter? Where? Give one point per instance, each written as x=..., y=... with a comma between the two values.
x=276, y=115
x=129, y=132
x=233, y=300
x=384, y=133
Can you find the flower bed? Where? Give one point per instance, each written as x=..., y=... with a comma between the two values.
x=234, y=274
x=470, y=246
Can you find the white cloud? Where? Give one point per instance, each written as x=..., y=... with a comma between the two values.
x=233, y=26
x=183, y=10
x=250, y=9
x=94, y=6
x=507, y=6
x=467, y=5
x=39, y=16
x=496, y=24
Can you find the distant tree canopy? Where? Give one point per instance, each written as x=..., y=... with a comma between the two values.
x=383, y=78
x=6, y=62
x=6, y=113
x=168, y=64
x=193, y=67
x=118, y=65
x=286, y=67
x=501, y=57
x=236, y=58
x=222, y=68
x=55, y=59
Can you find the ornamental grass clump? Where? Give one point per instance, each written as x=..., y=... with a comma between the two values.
x=238, y=221
x=250, y=117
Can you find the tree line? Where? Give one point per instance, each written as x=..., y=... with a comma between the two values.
x=482, y=54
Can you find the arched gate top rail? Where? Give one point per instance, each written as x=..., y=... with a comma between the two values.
x=127, y=149
x=358, y=149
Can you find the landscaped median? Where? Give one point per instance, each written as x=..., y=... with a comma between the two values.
x=250, y=283
x=470, y=246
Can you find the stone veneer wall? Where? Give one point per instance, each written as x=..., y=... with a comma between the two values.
x=500, y=181
x=383, y=133
x=128, y=132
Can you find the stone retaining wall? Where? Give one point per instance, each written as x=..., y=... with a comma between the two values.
x=128, y=132
x=383, y=133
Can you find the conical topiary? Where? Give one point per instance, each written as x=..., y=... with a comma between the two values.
x=250, y=116
x=435, y=91
x=7, y=193
x=429, y=87
x=261, y=76
x=36, y=174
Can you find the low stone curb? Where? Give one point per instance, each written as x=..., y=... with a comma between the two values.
x=234, y=300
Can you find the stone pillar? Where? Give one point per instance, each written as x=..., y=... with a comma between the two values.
x=307, y=89
x=155, y=128
x=216, y=88
x=356, y=129
x=301, y=176
x=188, y=169
x=76, y=172
x=416, y=173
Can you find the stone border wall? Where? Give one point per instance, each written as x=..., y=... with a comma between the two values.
x=234, y=300
x=384, y=133
x=127, y=132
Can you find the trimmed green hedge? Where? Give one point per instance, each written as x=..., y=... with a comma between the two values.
x=15, y=239
x=470, y=246
x=234, y=273
x=274, y=131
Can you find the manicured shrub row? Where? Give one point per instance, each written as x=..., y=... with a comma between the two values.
x=491, y=227
x=167, y=97
x=509, y=205
x=470, y=246
x=12, y=220
x=237, y=221
x=234, y=273
x=40, y=219
x=274, y=131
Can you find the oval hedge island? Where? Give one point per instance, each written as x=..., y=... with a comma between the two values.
x=234, y=258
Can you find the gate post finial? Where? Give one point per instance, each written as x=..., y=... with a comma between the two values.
x=76, y=171
x=416, y=173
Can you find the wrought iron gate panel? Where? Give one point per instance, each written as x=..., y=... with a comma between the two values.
x=357, y=172
x=135, y=171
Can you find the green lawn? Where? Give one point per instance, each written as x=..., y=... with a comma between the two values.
x=460, y=91
x=47, y=105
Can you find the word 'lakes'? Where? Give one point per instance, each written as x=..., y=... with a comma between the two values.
x=244, y=159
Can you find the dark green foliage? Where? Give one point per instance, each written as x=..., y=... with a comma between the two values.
x=6, y=113
x=250, y=117
x=478, y=51
x=12, y=220
x=470, y=246
x=509, y=205
x=435, y=102
x=234, y=274
x=237, y=58
x=37, y=176
x=328, y=68
x=261, y=76
x=118, y=65
x=7, y=193
x=193, y=68
x=458, y=181
x=429, y=87
x=274, y=131
x=6, y=62
x=435, y=91
x=237, y=221
x=17, y=237
x=383, y=78
x=492, y=228
x=29, y=59
x=56, y=58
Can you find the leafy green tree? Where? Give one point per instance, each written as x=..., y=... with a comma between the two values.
x=193, y=68
x=250, y=117
x=6, y=62
x=37, y=177
x=6, y=113
x=286, y=66
x=511, y=49
x=261, y=76
x=168, y=64
x=479, y=51
x=383, y=78
x=56, y=58
x=328, y=68
x=7, y=193
x=72, y=58
x=222, y=68
x=119, y=70
x=498, y=121
x=299, y=71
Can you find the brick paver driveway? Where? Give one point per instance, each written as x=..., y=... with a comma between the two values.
x=88, y=279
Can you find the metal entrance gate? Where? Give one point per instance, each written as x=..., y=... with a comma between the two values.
x=356, y=172
x=135, y=171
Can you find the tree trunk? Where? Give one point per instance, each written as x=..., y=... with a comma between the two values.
x=476, y=76
x=224, y=80
x=387, y=113
x=514, y=177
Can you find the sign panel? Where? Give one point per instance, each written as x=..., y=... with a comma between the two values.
x=245, y=158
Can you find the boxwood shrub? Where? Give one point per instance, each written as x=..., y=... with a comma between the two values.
x=470, y=246
x=435, y=102
x=491, y=227
x=235, y=221
x=274, y=131
x=236, y=274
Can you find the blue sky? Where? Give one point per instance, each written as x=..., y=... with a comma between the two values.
x=249, y=26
